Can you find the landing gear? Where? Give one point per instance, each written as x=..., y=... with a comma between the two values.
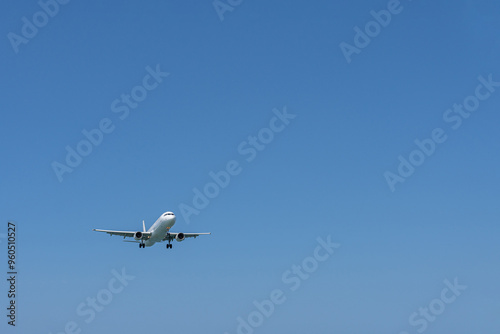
x=142, y=245
x=169, y=245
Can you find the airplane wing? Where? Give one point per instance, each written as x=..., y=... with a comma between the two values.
x=173, y=235
x=125, y=234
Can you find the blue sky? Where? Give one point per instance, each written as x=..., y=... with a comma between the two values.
x=323, y=175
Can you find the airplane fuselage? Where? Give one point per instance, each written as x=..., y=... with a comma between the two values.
x=160, y=228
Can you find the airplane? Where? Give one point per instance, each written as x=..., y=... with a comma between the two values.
x=158, y=232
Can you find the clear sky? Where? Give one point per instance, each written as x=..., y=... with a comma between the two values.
x=373, y=132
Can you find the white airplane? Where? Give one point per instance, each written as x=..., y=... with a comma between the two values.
x=160, y=231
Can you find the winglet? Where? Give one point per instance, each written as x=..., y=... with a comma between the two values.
x=143, y=226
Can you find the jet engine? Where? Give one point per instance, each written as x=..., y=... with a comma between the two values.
x=180, y=236
x=138, y=235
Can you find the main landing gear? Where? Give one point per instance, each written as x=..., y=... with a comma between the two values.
x=142, y=245
x=169, y=245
